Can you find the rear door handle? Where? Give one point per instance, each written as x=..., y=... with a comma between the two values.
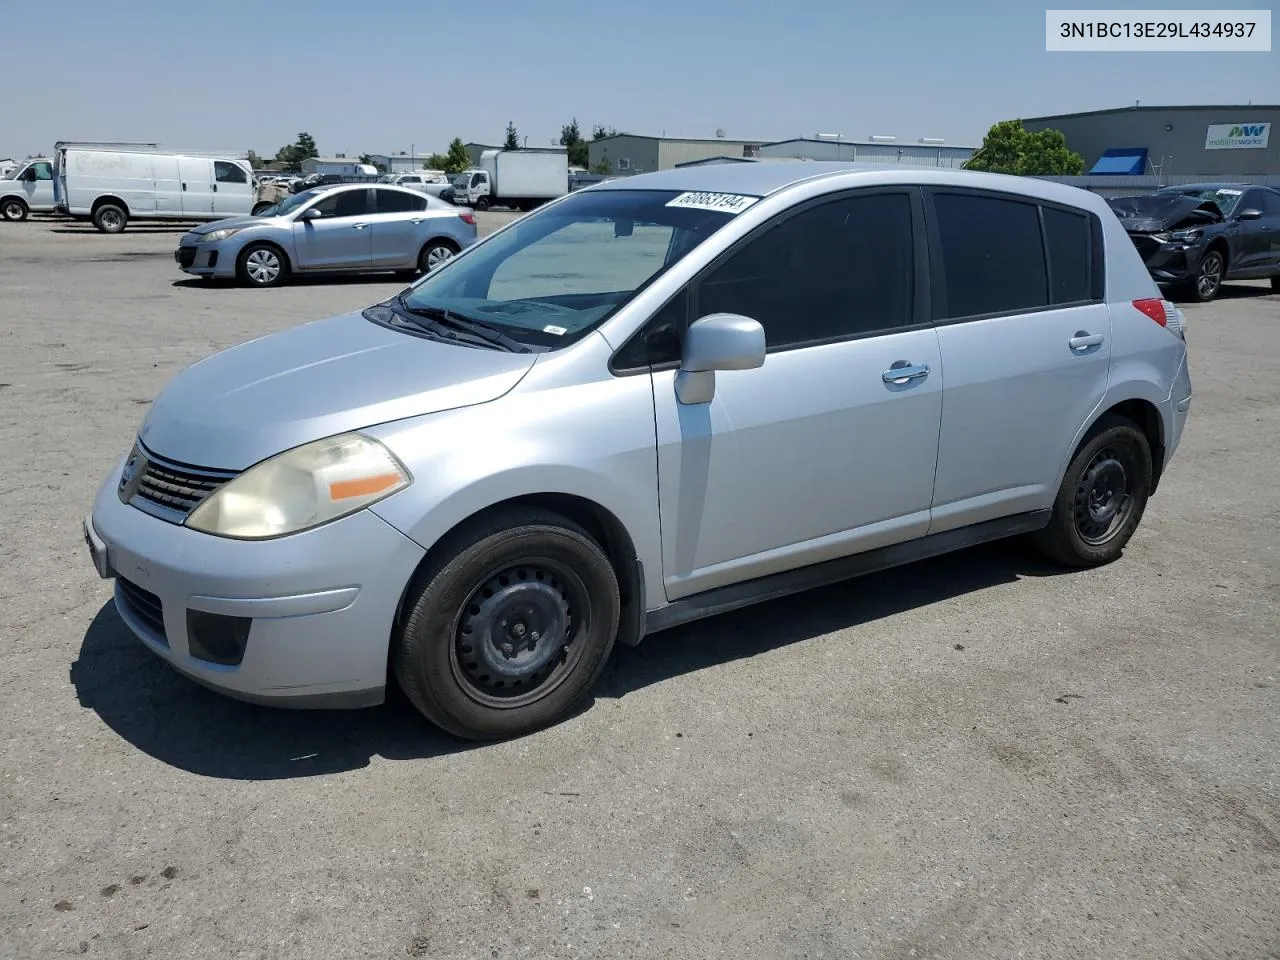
x=418, y=220
x=1082, y=340
x=359, y=226
x=904, y=372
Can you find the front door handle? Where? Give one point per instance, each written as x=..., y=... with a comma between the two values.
x=903, y=372
x=1083, y=341
x=359, y=226
x=418, y=220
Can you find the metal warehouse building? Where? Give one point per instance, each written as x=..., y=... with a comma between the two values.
x=1211, y=141
x=627, y=153
x=923, y=153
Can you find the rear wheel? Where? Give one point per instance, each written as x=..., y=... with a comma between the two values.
x=1208, y=279
x=261, y=265
x=1102, y=497
x=482, y=204
x=14, y=209
x=110, y=218
x=509, y=629
x=434, y=254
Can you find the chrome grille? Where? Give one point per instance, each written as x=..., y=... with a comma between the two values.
x=170, y=490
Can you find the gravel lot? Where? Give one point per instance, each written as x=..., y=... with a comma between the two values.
x=974, y=757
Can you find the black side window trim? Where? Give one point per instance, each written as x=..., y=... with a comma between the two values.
x=1097, y=259
x=646, y=330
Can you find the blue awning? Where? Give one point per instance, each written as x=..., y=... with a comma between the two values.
x=1122, y=161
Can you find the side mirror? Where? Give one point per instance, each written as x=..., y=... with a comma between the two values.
x=311, y=213
x=720, y=341
x=1253, y=213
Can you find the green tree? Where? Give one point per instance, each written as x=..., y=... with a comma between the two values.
x=1045, y=154
x=437, y=161
x=603, y=168
x=575, y=146
x=292, y=155
x=513, y=137
x=457, y=159
x=599, y=132
x=1009, y=147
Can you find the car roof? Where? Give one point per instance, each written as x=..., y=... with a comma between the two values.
x=763, y=179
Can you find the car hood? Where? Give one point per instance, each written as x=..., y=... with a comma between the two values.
x=260, y=398
x=237, y=222
x=1153, y=212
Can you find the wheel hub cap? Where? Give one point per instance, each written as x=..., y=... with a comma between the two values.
x=515, y=630
x=1103, y=498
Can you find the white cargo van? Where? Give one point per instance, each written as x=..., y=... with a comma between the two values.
x=518, y=179
x=28, y=190
x=114, y=184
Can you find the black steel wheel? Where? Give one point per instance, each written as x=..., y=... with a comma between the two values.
x=1209, y=276
x=510, y=625
x=1102, y=497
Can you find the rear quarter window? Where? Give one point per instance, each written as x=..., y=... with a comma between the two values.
x=1069, y=239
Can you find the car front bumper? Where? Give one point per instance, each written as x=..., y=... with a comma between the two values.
x=1169, y=262
x=205, y=259
x=319, y=606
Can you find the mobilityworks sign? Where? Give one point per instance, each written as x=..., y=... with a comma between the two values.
x=1237, y=136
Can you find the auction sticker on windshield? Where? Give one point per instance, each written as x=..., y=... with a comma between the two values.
x=722, y=202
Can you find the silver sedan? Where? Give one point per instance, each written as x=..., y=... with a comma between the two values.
x=348, y=228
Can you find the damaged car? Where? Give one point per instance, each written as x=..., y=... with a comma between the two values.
x=1197, y=235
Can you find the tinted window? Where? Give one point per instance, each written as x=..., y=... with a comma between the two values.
x=1271, y=203
x=345, y=203
x=835, y=270
x=225, y=172
x=1069, y=236
x=393, y=201
x=993, y=259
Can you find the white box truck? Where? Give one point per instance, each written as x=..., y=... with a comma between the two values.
x=519, y=179
x=113, y=184
x=28, y=190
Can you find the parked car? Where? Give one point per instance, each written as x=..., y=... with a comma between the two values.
x=428, y=183
x=648, y=402
x=348, y=228
x=1198, y=235
x=114, y=184
x=29, y=190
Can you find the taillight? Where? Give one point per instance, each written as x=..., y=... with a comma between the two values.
x=1153, y=309
x=470, y=220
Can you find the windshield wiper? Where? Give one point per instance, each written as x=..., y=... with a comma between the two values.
x=476, y=328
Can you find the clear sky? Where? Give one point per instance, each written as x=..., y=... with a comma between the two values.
x=381, y=76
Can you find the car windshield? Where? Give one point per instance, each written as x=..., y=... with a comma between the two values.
x=557, y=274
x=1225, y=197
x=293, y=202
x=460, y=181
x=387, y=178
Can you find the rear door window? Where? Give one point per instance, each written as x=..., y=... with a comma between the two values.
x=393, y=201
x=992, y=255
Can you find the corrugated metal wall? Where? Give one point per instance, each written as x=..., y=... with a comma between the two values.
x=911, y=155
x=671, y=152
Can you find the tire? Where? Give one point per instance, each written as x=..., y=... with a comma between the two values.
x=110, y=218
x=262, y=265
x=482, y=204
x=14, y=208
x=543, y=575
x=1102, y=498
x=1204, y=286
x=434, y=254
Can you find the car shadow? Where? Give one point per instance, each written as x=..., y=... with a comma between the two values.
x=84, y=229
x=186, y=726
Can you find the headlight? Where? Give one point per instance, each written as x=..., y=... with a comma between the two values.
x=222, y=234
x=302, y=488
x=1186, y=236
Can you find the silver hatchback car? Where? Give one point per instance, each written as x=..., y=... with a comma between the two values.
x=353, y=228
x=650, y=401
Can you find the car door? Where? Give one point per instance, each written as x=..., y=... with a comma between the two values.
x=168, y=179
x=1270, y=224
x=1251, y=239
x=829, y=447
x=1026, y=346
x=232, y=189
x=397, y=228
x=340, y=238
x=39, y=185
x=196, y=177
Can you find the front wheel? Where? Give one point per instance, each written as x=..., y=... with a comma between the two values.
x=482, y=204
x=1102, y=497
x=509, y=629
x=13, y=209
x=1208, y=279
x=261, y=265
